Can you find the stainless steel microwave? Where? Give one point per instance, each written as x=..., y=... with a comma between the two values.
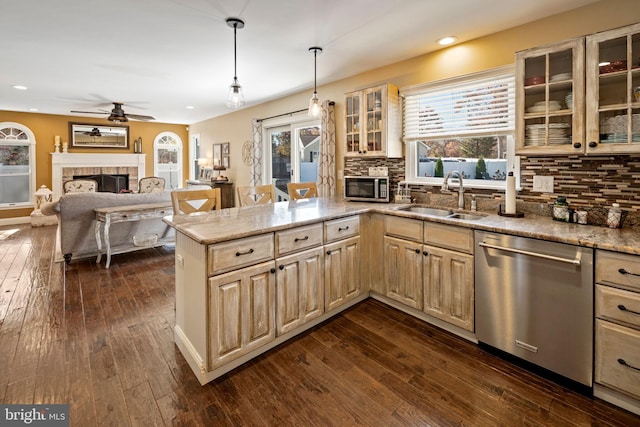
x=367, y=188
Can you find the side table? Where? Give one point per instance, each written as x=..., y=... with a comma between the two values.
x=114, y=214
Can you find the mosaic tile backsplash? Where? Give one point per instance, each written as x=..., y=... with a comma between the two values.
x=588, y=182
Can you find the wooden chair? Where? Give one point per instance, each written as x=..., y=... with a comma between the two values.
x=302, y=190
x=257, y=195
x=151, y=184
x=80, y=186
x=190, y=201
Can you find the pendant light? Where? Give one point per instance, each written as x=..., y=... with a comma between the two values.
x=315, y=109
x=235, y=98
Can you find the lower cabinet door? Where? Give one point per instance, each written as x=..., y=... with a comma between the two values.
x=299, y=289
x=341, y=272
x=617, y=361
x=241, y=312
x=449, y=286
x=403, y=271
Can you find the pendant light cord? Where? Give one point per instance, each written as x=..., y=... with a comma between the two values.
x=235, y=67
x=315, y=70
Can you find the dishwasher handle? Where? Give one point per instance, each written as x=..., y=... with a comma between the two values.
x=575, y=261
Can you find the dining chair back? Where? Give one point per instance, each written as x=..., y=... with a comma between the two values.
x=256, y=195
x=190, y=201
x=302, y=190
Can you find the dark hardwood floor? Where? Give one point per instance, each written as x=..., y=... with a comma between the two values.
x=102, y=341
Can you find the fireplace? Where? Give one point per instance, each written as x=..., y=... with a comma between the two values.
x=66, y=166
x=108, y=183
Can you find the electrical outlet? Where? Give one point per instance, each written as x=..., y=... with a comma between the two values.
x=543, y=184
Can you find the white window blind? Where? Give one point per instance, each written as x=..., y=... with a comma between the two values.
x=479, y=106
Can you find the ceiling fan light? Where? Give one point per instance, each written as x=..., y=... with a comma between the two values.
x=236, y=97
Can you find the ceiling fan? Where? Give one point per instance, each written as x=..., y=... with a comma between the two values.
x=117, y=115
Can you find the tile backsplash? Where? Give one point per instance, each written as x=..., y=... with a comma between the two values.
x=586, y=181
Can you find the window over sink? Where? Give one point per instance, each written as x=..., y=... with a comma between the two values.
x=466, y=124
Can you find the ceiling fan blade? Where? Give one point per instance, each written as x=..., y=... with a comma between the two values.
x=139, y=117
x=87, y=112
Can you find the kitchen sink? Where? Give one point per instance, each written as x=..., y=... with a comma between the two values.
x=465, y=216
x=428, y=211
x=443, y=213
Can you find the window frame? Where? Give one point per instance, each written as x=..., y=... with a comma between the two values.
x=411, y=145
x=158, y=143
x=31, y=143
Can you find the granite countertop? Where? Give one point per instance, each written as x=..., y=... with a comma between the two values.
x=233, y=223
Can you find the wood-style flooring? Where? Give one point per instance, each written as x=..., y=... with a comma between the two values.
x=102, y=341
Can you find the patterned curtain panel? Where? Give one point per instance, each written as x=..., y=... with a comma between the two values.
x=327, y=163
x=256, y=153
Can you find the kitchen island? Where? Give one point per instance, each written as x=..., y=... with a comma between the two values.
x=248, y=279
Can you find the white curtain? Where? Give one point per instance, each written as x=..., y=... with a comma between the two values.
x=257, y=155
x=327, y=161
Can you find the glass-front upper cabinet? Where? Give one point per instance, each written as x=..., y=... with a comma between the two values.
x=613, y=91
x=550, y=99
x=373, y=122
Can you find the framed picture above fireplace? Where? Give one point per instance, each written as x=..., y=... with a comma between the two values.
x=86, y=135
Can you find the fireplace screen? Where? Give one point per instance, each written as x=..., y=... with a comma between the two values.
x=108, y=183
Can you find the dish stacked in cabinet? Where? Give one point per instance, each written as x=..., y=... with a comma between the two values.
x=617, y=358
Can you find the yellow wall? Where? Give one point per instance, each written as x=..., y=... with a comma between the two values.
x=481, y=54
x=46, y=126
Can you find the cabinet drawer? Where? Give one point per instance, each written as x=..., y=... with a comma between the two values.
x=342, y=228
x=299, y=238
x=227, y=256
x=405, y=228
x=449, y=236
x=617, y=304
x=618, y=269
x=618, y=357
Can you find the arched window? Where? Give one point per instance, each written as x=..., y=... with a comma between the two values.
x=17, y=165
x=167, y=159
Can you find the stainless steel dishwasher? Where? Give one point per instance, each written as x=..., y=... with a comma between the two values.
x=534, y=300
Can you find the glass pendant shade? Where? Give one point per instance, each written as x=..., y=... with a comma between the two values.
x=315, y=109
x=235, y=99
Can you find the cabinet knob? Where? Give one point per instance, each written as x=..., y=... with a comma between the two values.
x=593, y=144
x=425, y=253
x=328, y=252
x=273, y=270
x=577, y=145
x=417, y=251
x=281, y=267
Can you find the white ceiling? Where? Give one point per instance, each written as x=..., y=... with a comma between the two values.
x=160, y=56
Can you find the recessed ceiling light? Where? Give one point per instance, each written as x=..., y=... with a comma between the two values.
x=447, y=40
x=33, y=109
x=189, y=107
x=20, y=87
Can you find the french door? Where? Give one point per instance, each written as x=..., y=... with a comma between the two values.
x=294, y=150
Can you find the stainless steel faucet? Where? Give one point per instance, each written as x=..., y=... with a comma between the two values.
x=445, y=187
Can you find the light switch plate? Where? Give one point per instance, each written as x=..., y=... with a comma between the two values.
x=543, y=184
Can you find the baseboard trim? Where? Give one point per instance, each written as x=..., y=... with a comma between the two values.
x=15, y=221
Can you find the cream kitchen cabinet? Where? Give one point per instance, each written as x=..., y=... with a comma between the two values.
x=580, y=96
x=300, y=289
x=550, y=99
x=403, y=261
x=429, y=267
x=342, y=262
x=242, y=312
x=449, y=274
x=373, y=122
x=613, y=91
x=617, y=330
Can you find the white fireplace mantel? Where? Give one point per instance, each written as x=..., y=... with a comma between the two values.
x=59, y=161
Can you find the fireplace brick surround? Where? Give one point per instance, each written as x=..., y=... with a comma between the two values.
x=64, y=166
